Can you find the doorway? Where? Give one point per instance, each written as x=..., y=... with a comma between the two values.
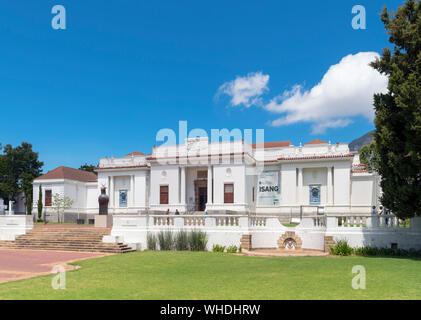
x=203, y=198
x=200, y=194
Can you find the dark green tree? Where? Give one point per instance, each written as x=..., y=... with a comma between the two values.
x=39, y=203
x=398, y=112
x=88, y=167
x=29, y=204
x=369, y=156
x=19, y=166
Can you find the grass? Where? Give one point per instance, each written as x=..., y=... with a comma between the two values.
x=290, y=224
x=207, y=275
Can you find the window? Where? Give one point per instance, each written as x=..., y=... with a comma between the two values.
x=123, y=198
x=48, y=198
x=163, y=194
x=252, y=194
x=315, y=194
x=202, y=174
x=228, y=193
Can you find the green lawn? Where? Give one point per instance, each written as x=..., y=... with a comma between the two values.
x=207, y=275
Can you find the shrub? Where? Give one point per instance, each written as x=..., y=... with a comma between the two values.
x=372, y=251
x=166, y=240
x=182, y=241
x=341, y=248
x=151, y=241
x=232, y=249
x=366, y=251
x=218, y=248
x=198, y=240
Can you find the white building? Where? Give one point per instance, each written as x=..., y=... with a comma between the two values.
x=276, y=178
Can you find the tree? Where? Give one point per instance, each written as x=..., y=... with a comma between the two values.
x=19, y=166
x=61, y=203
x=398, y=112
x=39, y=203
x=29, y=204
x=88, y=167
x=369, y=156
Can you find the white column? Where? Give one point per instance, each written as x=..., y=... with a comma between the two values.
x=11, y=212
x=210, y=176
x=300, y=186
x=132, y=193
x=183, y=186
x=111, y=192
x=329, y=186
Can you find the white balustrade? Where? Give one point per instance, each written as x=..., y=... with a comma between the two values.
x=227, y=221
x=194, y=221
x=319, y=221
x=163, y=220
x=258, y=221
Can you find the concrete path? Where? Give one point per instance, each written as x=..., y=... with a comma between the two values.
x=284, y=253
x=22, y=264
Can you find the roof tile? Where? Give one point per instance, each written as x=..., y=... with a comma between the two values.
x=69, y=174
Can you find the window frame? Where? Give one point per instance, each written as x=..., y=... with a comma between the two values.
x=161, y=193
x=50, y=198
x=229, y=196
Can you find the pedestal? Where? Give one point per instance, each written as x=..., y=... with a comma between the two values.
x=103, y=221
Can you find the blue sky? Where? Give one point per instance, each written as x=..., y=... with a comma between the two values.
x=122, y=70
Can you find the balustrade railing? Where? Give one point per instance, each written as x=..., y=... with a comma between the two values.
x=227, y=221
x=258, y=221
x=163, y=221
x=194, y=221
x=319, y=221
x=242, y=222
x=371, y=221
x=352, y=221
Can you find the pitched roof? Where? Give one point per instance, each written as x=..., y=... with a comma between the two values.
x=276, y=144
x=311, y=157
x=69, y=174
x=136, y=153
x=316, y=141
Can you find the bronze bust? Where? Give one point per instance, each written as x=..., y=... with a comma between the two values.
x=103, y=200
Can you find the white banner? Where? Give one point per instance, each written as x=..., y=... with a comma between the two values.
x=269, y=189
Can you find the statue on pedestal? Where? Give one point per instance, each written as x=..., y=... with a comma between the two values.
x=103, y=200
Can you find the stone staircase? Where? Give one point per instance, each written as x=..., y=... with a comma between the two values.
x=82, y=239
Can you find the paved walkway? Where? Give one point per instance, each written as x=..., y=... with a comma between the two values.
x=67, y=226
x=22, y=264
x=284, y=253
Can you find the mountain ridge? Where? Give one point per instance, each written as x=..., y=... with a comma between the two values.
x=359, y=143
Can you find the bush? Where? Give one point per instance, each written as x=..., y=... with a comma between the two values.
x=166, y=240
x=198, y=240
x=218, y=248
x=182, y=241
x=341, y=248
x=151, y=241
x=232, y=249
x=370, y=251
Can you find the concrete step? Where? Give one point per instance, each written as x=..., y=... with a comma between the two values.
x=66, y=239
x=113, y=248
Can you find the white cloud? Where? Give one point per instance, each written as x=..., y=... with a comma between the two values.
x=246, y=90
x=345, y=91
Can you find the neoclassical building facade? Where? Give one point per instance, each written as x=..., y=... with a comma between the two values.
x=274, y=178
